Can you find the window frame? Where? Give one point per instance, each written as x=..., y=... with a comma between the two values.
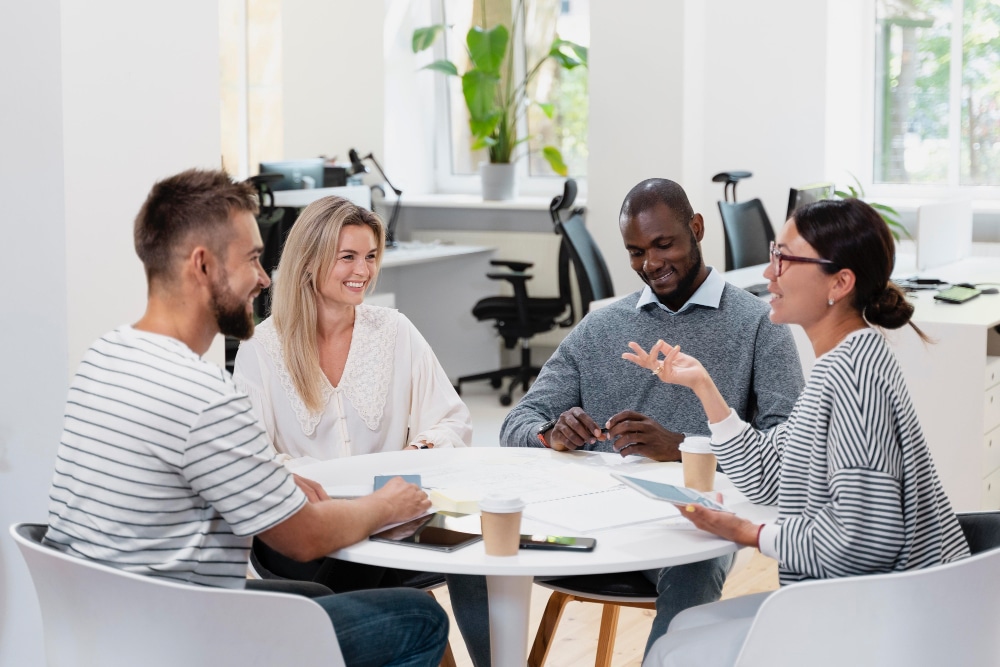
x=448, y=182
x=984, y=197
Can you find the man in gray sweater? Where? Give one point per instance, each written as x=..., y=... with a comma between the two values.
x=587, y=386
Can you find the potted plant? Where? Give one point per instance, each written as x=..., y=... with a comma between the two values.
x=496, y=102
x=888, y=213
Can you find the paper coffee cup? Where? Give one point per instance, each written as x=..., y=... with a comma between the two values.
x=501, y=523
x=698, y=462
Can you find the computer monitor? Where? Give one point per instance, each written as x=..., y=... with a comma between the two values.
x=807, y=194
x=298, y=174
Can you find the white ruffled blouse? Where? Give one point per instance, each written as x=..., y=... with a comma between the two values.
x=393, y=393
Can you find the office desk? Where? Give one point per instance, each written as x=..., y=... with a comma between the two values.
x=636, y=547
x=435, y=286
x=359, y=194
x=954, y=382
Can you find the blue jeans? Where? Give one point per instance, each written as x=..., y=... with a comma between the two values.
x=389, y=626
x=677, y=588
x=683, y=586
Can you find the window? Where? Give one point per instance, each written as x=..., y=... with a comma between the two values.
x=937, y=109
x=564, y=89
x=250, y=84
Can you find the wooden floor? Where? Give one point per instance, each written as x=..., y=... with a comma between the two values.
x=576, y=639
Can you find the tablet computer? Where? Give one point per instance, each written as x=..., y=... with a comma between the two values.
x=678, y=495
x=439, y=531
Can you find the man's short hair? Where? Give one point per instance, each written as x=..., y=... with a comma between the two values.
x=653, y=191
x=195, y=201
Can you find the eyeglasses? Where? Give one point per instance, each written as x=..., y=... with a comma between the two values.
x=777, y=257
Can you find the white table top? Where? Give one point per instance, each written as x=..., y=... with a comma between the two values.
x=667, y=542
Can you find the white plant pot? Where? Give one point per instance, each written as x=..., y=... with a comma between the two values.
x=498, y=181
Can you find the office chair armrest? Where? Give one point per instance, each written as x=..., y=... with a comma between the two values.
x=512, y=265
x=511, y=277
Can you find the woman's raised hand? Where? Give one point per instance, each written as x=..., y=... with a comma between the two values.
x=674, y=368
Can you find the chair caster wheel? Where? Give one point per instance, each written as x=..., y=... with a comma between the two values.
x=496, y=382
x=506, y=400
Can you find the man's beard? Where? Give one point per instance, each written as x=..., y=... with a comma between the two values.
x=695, y=259
x=231, y=314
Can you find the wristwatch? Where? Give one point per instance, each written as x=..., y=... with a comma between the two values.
x=547, y=426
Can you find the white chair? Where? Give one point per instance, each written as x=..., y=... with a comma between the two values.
x=943, y=615
x=99, y=616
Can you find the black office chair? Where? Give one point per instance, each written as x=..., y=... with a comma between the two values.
x=748, y=233
x=520, y=317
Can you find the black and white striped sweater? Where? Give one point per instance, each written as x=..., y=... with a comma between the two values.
x=850, y=471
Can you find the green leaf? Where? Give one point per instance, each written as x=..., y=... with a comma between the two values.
x=424, y=38
x=568, y=54
x=883, y=207
x=547, y=108
x=443, y=66
x=479, y=89
x=487, y=47
x=555, y=160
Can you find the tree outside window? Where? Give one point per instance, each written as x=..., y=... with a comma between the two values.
x=938, y=92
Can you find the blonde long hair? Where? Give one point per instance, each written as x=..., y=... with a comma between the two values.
x=309, y=252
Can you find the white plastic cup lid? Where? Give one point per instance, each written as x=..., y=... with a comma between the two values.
x=501, y=504
x=696, y=444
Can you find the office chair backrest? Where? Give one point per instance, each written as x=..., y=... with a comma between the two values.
x=592, y=274
x=942, y=615
x=578, y=247
x=98, y=615
x=748, y=233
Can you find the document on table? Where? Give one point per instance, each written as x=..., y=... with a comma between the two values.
x=611, y=508
x=569, y=493
x=533, y=480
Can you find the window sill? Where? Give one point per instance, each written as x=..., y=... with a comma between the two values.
x=468, y=201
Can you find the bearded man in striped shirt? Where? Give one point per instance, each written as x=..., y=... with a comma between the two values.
x=162, y=469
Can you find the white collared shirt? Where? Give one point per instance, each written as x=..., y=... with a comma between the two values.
x=708, y=294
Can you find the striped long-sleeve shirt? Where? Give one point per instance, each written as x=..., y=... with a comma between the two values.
x=162, y=469
x=850, y=471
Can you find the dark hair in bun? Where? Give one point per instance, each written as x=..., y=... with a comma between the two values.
x=852, y=235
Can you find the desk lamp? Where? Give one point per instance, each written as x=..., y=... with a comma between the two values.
x=358, y=167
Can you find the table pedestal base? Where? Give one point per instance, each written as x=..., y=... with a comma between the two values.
x=510, y=603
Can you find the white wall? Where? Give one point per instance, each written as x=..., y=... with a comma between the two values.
x=110, y=95
x=332, y=77
x=33, y=323
x=141, y=102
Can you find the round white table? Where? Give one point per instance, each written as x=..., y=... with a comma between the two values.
x=647, y=545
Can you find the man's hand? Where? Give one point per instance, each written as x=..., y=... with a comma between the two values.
x=638, y=434
x=404, y=501
x=574, y=429
x=314, y=492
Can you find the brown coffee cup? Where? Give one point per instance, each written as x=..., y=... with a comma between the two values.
x=698, y=463
x=501, y=523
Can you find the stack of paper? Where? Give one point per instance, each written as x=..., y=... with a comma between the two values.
x=461, y=501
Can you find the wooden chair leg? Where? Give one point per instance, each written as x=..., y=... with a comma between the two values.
x=448, y=659
x=606, y=639
x=547, y=628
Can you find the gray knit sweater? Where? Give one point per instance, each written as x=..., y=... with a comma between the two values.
x=753, y=362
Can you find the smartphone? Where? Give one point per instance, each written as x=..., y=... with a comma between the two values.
x=678, y=495
x=559, y=542
x=380, y=480
x=957, y=294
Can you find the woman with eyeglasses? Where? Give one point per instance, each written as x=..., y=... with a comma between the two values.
x=856, y=488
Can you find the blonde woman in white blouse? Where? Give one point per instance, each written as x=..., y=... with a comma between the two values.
x=329, y=376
